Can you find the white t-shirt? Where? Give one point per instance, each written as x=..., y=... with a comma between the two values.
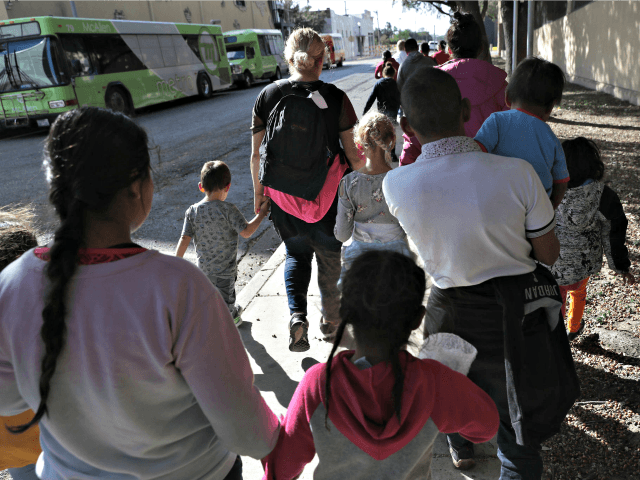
x=153, y=381
x=469, y=213
x=400, y=56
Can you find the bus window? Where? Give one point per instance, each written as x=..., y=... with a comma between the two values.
x=251, y=53
x=30, y=64
x=235, y=53
x=168, y=51
x=113, y=55
x=150, y=51
x=77, y=54
x=192, y=41
x=183, y=51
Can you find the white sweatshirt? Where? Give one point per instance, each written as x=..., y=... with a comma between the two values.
x=153, y=382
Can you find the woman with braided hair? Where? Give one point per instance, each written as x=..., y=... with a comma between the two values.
x=122, y=352
x=363, y=214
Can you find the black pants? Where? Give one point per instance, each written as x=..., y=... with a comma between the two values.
x=236, y=470
x=473, y=313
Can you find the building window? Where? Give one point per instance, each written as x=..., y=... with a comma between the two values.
x=241, y=4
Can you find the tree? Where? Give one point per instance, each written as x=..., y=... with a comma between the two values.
x=304, y=17
x=507, y=25
x=472, y=7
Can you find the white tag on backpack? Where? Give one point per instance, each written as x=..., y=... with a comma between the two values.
x=318, y=100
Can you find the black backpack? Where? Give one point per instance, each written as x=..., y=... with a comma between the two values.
x=297, y=149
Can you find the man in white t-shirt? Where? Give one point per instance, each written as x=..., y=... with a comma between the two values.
x=400, y=55
x=473, y=217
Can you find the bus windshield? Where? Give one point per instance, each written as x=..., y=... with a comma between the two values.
x=28, y=64
x=235, y=53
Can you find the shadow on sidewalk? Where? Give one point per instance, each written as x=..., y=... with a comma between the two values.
x=274, y=378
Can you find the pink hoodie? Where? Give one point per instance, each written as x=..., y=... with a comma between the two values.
x=483, y=84
x=365, y=439
x=479, y=81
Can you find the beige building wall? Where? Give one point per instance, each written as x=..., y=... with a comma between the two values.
x=597, y=46
x=3, y=12
x=231, y=14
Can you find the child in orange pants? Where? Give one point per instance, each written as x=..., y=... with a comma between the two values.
x=590, y=221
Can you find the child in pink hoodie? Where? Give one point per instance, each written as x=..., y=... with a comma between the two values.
x=479, y=81
x=378, y=411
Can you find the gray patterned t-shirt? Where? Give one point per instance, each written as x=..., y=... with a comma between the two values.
x=214, y=227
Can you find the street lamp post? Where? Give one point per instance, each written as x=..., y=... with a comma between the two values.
x=359, y=39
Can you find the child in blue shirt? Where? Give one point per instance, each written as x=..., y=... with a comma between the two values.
x=522, y=132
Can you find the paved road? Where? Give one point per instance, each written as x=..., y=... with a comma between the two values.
x=183, y=135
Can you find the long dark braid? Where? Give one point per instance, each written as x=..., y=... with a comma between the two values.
x=378, y=318
x=91, y=154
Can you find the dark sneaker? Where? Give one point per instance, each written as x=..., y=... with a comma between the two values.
x=298, y=336
x=236, y=314
x=328, y=330
x=462, y=457
x=573, y=335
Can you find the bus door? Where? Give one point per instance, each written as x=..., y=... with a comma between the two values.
x=267, y=51
x=254, y=59
x=82, y=71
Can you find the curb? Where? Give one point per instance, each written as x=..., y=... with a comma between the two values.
x=252, y=289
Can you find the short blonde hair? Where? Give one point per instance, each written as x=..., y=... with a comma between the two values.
x=400, y=45
x=297, y=47
x=376, y=130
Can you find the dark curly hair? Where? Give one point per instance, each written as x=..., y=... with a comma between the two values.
x=380, y=315
x=583, y=161
x=464, y=37
x=91, y=154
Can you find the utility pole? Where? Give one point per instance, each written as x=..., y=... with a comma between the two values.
x=378, y=19
x=345, y=8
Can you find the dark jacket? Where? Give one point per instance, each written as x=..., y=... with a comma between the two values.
x=542, y=383
x=386, y=92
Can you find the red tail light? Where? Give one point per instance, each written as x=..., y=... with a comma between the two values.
x=71, y=102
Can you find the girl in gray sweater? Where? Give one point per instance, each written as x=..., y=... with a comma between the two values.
x=364, y=221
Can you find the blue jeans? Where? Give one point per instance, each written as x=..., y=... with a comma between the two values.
x=474, y=314
x=27, y=472
x=297, y=274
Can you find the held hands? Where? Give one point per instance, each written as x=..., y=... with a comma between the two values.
x=265, y=207
x=258, y=200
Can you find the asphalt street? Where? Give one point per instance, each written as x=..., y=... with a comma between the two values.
x=182, y=135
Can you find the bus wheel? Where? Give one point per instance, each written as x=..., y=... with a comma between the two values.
x=248, y=79
x=277, y=76
x=117, y=100
x=204, y=85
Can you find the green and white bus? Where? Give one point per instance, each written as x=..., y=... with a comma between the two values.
x=49, y=65
x=255, y=54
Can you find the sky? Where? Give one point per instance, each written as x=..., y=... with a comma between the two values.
x=388, y=11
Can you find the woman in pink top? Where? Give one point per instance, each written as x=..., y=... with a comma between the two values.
x=479, y=81
x=306, y=226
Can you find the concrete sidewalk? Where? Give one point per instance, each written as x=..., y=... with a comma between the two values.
x=278, y=371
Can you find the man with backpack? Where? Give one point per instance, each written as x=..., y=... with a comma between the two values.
x=302, y=146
